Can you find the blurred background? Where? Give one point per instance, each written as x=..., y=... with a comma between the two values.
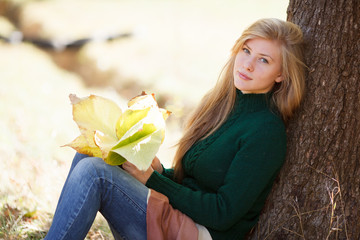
x=112, y=48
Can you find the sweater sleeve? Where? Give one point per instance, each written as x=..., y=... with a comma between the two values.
x=168, y=172
x=246, y=184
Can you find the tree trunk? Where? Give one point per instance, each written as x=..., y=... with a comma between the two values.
x=317, y=195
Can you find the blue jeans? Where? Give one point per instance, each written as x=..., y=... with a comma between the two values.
x=92, y=186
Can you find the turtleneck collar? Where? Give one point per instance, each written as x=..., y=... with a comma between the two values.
x=252, y=102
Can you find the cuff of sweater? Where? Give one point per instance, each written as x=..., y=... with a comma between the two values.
x=162, y=184
x=168, y=172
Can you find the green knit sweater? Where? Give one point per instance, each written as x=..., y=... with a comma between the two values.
x=229, y=174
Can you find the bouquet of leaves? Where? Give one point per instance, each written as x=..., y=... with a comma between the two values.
x=116, y=136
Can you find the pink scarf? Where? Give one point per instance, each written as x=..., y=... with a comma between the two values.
x=166, y=223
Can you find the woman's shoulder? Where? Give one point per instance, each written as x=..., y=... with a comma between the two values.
x=265, y=121
x=265, y=116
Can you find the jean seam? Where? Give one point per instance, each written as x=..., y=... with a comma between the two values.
x=94, y=179
x=101, y=181
x=128, y=199
x=126, y=195
x=74, y=216
x=119, y=188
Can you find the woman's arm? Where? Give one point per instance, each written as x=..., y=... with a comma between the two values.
x=157, y=166
x=245, y=186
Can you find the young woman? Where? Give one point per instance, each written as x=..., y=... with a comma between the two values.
x=233, y=147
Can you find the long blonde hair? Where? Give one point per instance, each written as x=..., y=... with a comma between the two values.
x=217, y=104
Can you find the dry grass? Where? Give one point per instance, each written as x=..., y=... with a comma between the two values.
x=334, y=210
x=18, y=222
x=35, y=119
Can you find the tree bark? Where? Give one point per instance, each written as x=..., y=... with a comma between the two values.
x=317, y=194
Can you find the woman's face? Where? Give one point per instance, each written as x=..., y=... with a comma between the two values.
x=257, y=66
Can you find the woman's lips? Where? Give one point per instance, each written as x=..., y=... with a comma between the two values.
x=244, y=76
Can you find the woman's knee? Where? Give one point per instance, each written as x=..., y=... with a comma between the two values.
x=79, y=156
x=88, y=167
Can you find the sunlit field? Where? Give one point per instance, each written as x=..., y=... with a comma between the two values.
x=172, y=48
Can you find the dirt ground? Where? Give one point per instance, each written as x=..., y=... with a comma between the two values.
x=177, y=49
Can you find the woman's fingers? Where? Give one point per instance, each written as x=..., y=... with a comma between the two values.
x=142, y=176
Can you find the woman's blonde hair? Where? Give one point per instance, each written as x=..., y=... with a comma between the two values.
x=217, y=104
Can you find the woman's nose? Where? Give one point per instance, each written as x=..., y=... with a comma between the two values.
x=248, y=65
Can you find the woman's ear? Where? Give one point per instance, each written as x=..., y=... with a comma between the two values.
x=279, y=78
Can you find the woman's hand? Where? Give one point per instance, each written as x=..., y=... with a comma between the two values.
x=156, y=165
x=142, y=176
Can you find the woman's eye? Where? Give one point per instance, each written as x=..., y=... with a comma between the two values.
x=245, y=50
x=263, y=60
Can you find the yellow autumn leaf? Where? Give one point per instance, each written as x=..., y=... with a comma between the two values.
x=147, y=100
x=81, y=145
x=134, y=135
x=94, y=114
